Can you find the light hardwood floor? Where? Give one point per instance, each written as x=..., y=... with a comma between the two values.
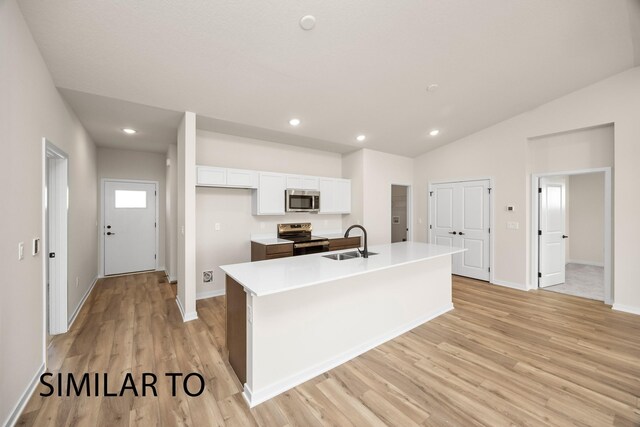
x=501, y=357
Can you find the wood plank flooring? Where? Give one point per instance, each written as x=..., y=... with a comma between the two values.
x=501, y=357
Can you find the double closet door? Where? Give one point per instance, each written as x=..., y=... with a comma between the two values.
x=460, y=217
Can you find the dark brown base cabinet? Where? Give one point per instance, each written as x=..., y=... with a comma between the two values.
x=344, y=243
x=260, y=252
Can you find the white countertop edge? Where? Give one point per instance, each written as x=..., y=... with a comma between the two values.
x=346, y=276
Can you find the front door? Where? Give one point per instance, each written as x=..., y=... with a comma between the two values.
x=460, y=217
x=551, y=234
x=129, y=227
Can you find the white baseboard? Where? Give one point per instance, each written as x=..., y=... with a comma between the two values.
x=626, y=308
x=583, y=262
x=82, y=301
x=210, y=294
x=511, y=285
x=254, y=398
x=186, y=317
x=24, y=398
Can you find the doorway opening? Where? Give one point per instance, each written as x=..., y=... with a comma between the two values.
x=400, y=212
x=573, y=223
x=55, y=219
x=460, y=216
x=129, y=226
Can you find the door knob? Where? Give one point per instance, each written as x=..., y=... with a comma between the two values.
x=452, y=232
x=110, y=233
x=461, y=233
x=565, y=236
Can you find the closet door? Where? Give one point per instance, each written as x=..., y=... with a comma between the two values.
x=460, y=217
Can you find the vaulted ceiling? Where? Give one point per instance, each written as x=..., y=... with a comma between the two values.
x=247, y=67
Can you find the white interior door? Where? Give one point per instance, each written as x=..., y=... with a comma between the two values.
x=56, y=216
x=129, y=227
x=551, y=233
x=460, y=217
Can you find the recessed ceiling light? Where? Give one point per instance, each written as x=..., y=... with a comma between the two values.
x=432, y=87
x=434, y=132
x=294, y=122
x=129, y=131
x=361, y=138
x=308, y=22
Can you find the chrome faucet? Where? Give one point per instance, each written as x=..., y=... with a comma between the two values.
x=365, y=251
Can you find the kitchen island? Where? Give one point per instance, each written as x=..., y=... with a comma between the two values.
x=291, y=319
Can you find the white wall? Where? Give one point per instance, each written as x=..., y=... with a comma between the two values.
x=501, y=151
x=186, y=180
x=171, y=212
x=137, y=165
x=231, y=208
x=30, y=109
x=586, y=218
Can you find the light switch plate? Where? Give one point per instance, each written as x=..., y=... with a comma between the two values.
x=217, y=226
x=21, y=251
x=512, y=225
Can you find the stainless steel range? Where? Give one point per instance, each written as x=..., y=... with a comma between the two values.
x=303, y=241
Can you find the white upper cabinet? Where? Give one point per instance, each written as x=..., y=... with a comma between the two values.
x=268, y=199
x=210, y=176
x=302, y=182
x=335, y=196
x=242, y=178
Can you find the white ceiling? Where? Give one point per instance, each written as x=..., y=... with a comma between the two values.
x=363, y=69
x=104, y=118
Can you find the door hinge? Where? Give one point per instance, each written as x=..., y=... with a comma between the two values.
x=539, y=275
x=489, y=269
x=155, y=193
x=430, y=193
x=430, y=227
x=489, y=190
x=155, y=224
x=539, y=190
x=539, y=232
x=489, y=230
x=155, y=256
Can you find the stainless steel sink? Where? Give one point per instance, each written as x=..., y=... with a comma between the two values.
x=347, y=255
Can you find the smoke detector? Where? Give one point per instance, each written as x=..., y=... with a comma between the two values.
x=307, y=22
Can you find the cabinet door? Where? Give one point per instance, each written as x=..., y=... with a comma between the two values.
x=310, y=183
x=294, y=181
x=342, y=188
x=271, y=194
x=327, y=195
x=211, y=176
x=241, y=178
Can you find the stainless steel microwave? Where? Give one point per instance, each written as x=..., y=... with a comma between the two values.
x=302, y=200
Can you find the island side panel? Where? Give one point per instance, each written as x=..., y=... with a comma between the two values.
x=299, y=334
x=237, y=328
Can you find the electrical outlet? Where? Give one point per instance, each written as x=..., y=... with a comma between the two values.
x=512, y=225
x=217, y=226
x=207, y=276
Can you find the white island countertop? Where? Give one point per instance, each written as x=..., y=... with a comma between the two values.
x=285, y=274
